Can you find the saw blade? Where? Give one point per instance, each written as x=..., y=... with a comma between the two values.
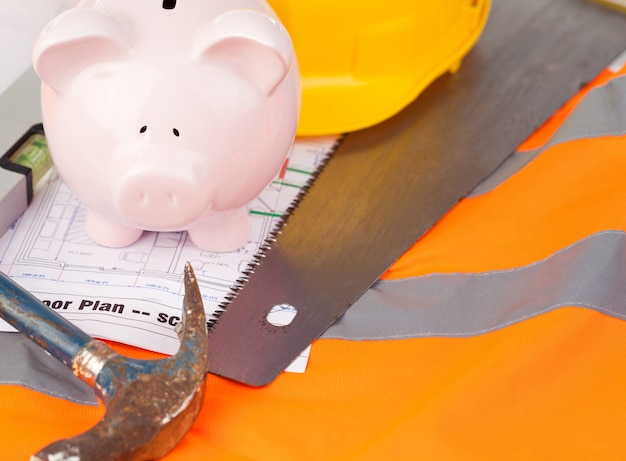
x=386, y=186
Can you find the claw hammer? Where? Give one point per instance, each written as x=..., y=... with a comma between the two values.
x=150, y=404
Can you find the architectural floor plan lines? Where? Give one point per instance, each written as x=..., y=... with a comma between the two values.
x=134, y=294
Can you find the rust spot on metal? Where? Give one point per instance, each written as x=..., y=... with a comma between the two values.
x=150, y=404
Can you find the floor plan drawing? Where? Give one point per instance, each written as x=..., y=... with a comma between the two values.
x=134, y=294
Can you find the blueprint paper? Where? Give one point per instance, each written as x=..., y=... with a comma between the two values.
x=134, y=295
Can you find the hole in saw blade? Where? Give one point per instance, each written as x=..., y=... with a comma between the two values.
x=281, y=315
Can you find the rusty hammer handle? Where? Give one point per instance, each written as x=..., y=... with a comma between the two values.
x=41, y=324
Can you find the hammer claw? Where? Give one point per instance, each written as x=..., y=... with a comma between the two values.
x=150, y=404
x=132, y=429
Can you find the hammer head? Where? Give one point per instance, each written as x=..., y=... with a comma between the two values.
x=150, y=404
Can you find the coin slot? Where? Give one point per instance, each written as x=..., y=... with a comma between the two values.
x=281, y=315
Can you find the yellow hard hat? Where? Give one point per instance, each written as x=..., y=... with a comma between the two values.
x=363, y=61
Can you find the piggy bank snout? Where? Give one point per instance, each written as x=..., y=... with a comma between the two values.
x=160, y=200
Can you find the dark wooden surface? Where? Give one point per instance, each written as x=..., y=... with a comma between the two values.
x=387, y=185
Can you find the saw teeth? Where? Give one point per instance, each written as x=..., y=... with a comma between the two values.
x=266, y=246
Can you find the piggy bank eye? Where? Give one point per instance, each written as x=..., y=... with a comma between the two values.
x=143, y=129
x=176, y=132
x=169, y=4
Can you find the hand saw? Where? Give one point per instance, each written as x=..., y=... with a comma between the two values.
x=386, y=186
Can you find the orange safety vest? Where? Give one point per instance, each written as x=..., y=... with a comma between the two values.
x=536, y=370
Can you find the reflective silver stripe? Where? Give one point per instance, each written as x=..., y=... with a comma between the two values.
x=590, y=274
x=23, y=363
x=602, y=112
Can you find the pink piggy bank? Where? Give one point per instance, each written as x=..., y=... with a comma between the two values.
x=168, y=115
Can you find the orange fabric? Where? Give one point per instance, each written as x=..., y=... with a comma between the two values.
x=568, y=192
x=505, y=395
x=542, y=190
x=547, y=388
x=513, y=220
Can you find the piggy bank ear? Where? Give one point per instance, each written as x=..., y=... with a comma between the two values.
x=250, y=42
x=75, y=39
